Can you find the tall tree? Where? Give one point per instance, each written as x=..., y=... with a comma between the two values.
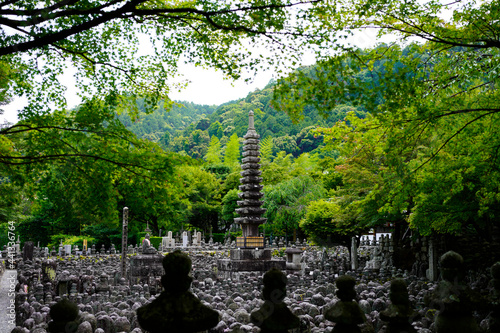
x=232, y=152
x=214, y=151
x=429, y=98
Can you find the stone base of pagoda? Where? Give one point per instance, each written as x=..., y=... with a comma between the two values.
x=248, y=260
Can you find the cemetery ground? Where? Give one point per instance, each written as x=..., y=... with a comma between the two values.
x=324, y=291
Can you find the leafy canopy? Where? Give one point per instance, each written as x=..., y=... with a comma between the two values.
x=133, y=47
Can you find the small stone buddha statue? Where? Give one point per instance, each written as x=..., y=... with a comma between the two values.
x=399, y=313
x=147, y=248
x=346, y=313
x=176, y=310
x=274, y=316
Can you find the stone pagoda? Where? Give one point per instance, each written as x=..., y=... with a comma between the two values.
x=250, y=253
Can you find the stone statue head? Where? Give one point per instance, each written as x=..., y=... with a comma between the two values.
x=274, y=286
x=452, y=266
x=177, y=266
x=345, y=285
x=398, y=293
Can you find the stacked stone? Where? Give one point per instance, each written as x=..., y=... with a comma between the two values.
x=250, y=210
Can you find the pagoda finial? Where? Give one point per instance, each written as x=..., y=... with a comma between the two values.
x=251, y=125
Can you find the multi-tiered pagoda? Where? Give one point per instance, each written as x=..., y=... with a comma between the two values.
x=250, y=254
x=250, y=210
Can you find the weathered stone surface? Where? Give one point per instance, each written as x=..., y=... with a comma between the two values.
x=250, y=254
x=144, y=266
x=228, y=265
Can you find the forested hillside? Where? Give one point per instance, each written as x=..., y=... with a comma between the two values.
x=189, y=127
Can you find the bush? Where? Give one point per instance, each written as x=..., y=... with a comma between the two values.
x=219, y=237
x=55, y=240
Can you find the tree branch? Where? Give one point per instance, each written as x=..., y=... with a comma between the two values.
x=41, y=41
x=451, y=137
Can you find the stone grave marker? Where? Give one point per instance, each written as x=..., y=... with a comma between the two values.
x=455, y=300
x=67, y=249
x=124, y=242
x=28, y=249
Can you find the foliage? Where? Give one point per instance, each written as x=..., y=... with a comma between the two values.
x=104, y=40
x=266, y=149
x=229, y=205
x=202, y=193
x=55, y=240
x=214, y=152
x=325, y=224
x=232, y=152
x=424, y=155
x=286, y=203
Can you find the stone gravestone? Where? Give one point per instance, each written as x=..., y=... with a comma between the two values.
x=432, y=271
x=184, y=239
x=354, y=254
x=495, y=299
x=67, y=249
x=274, y=316
x=293, y=257
x=194, y=240
x=124, y=242
x=28, y=249
x=168, y=242
x=197, y=239
x=176, y=310
x=18, y=246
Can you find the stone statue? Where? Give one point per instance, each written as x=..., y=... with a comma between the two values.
x=399, y=313
x=146, y=246
x=274, y=316
x=375, y=261
x=63, y=315
x=346, y=313
x=176, y=310
x=454, y=299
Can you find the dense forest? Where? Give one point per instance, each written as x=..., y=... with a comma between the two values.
x=196, y=188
